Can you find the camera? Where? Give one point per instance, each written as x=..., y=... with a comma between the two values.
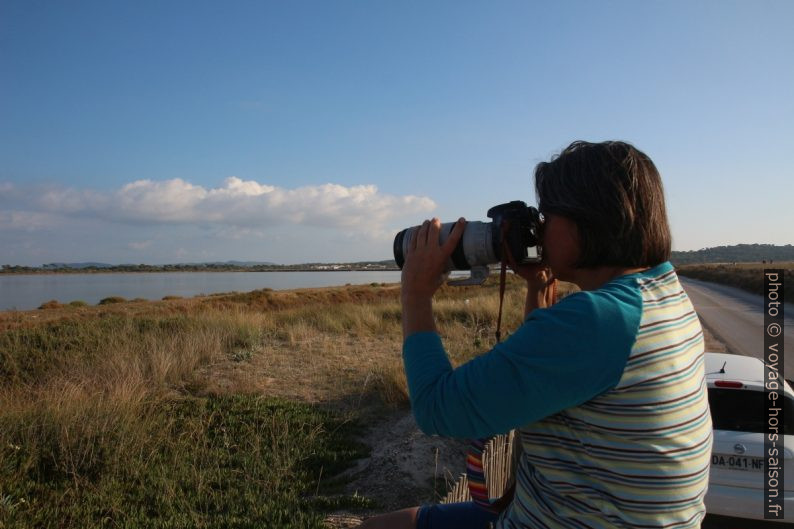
x=515, y=226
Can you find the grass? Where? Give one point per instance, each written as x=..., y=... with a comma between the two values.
x=747, y=276
x=229, y=410
x=233, y=461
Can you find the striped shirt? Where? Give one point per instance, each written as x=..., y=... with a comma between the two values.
x=607, y=390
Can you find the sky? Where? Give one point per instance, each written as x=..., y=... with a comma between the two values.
x=312, y=131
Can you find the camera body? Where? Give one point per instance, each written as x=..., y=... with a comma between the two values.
x=521, y=225
x=515, y=226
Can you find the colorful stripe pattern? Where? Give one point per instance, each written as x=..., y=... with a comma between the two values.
x=638, y=455
x=475, y=475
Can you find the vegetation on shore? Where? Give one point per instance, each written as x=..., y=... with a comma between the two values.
x=737, y=253
x=231, y=410
x=747, y=276
x=93, y=268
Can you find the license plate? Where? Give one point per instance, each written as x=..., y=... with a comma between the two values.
x=737, y=462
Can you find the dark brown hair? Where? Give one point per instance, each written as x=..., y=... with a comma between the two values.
x=613, y=192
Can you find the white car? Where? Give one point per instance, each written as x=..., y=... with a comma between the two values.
x=738, y=412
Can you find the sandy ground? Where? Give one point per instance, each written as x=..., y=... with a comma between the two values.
x=406, y=467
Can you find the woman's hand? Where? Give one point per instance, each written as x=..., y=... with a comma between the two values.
x=426, y=260
x=541, y=283
x=423, y=273
x=541, y=286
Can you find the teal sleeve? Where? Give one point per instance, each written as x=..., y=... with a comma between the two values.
x=560, y=357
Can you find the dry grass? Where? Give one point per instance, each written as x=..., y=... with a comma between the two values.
x=315, y=345
x=747, y=276
x=85, y=392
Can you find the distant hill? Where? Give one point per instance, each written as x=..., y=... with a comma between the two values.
x=740, y=253
x=57, y=266
x=243, y=264
x=80, y=266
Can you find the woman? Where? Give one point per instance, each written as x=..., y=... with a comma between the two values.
x=606, y=387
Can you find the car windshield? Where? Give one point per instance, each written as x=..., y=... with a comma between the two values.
x=745, y=411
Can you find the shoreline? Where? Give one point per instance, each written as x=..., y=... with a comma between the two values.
x=169, y=271
x=30, y=291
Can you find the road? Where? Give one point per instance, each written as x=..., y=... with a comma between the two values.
x=736, y=318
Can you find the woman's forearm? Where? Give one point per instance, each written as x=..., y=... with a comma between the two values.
x=417, y=315
x=535, y=299
x=539, y=297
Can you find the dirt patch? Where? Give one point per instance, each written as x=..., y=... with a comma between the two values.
x=406, y=467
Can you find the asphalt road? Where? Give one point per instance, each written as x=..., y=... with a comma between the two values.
x=736, y=318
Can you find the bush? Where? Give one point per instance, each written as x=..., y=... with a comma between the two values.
x=111, y=300
x=51, y=304
x=78, y=303
x=168, y=298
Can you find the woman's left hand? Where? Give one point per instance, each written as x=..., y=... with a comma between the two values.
x=426, y=259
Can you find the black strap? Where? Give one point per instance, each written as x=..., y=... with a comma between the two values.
x=502, y=277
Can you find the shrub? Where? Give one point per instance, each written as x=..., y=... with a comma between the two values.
x=111, y=300
x=51, y=304
x=78, y=303
x=168, y=298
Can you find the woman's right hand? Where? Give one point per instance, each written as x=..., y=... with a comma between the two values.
x=541, y=283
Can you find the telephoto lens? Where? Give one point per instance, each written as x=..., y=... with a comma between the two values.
x=514, y=225
x=475, y=247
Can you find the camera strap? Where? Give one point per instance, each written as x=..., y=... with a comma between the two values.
x=502, y=278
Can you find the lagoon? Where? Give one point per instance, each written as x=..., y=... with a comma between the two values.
x=26, y=292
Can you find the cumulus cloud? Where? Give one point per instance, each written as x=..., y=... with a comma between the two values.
x=237, y=203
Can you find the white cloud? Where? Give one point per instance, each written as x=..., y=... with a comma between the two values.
x=146, y=200
x=26, y=220
x=139, y=245
x=238, y=203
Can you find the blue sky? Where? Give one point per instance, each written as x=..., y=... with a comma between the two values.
x=170, y=131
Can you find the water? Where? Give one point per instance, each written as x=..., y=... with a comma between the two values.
x=25, y=292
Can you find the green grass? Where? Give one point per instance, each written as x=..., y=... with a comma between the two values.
x=106, y=421
x=236, y=461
